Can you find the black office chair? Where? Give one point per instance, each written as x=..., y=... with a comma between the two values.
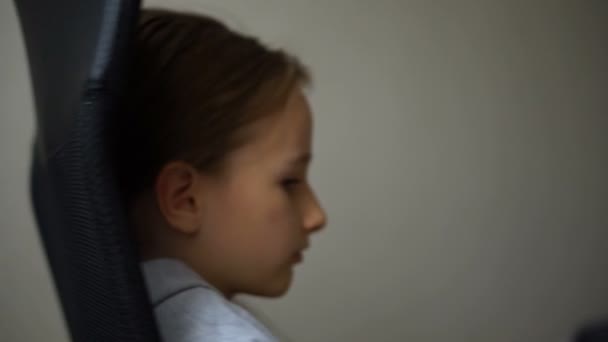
x=597, y=332
x=77, y=53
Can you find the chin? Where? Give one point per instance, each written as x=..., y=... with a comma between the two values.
x=275, y=288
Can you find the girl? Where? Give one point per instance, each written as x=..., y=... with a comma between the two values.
x=214, y=164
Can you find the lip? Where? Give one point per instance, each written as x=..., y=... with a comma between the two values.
x=298, y=257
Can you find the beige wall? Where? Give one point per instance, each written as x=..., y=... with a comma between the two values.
x=28, y=307
x=461, y=153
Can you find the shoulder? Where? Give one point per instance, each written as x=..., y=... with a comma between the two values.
x=199, y=314
x=188, y=309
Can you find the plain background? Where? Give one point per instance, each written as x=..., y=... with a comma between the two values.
x=461, y=152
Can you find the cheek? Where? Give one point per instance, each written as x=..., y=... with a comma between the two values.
x=275, y=229
x=261, y=220
x=282, y=223
x=256, y=233
x=275, y=219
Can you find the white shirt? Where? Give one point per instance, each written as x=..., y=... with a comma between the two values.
x=188, y=309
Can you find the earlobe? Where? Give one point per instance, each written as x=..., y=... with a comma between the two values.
x=177, y=195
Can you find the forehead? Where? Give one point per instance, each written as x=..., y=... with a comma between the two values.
x=279, y=135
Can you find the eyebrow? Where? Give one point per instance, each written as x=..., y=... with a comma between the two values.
x=301, y=159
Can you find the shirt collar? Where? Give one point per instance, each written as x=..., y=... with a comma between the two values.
x=165, y=277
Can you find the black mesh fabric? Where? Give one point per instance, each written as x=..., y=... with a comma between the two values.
x=597, y=332
x=78, y=51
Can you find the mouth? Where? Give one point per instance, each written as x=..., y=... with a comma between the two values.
x=298, y=257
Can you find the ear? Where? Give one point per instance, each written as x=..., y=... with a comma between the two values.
x=178, y=193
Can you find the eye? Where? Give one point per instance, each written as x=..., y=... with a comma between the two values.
x=290, y=182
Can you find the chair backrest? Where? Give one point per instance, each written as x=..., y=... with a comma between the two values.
x=78, y=52
x=596, y=332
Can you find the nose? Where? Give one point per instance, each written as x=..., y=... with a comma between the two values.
x=315, y=217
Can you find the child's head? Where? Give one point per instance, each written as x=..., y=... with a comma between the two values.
x=215, y=164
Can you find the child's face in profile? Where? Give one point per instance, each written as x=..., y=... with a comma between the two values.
x=257, y=216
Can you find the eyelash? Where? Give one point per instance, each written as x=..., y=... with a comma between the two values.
x=290, y=182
